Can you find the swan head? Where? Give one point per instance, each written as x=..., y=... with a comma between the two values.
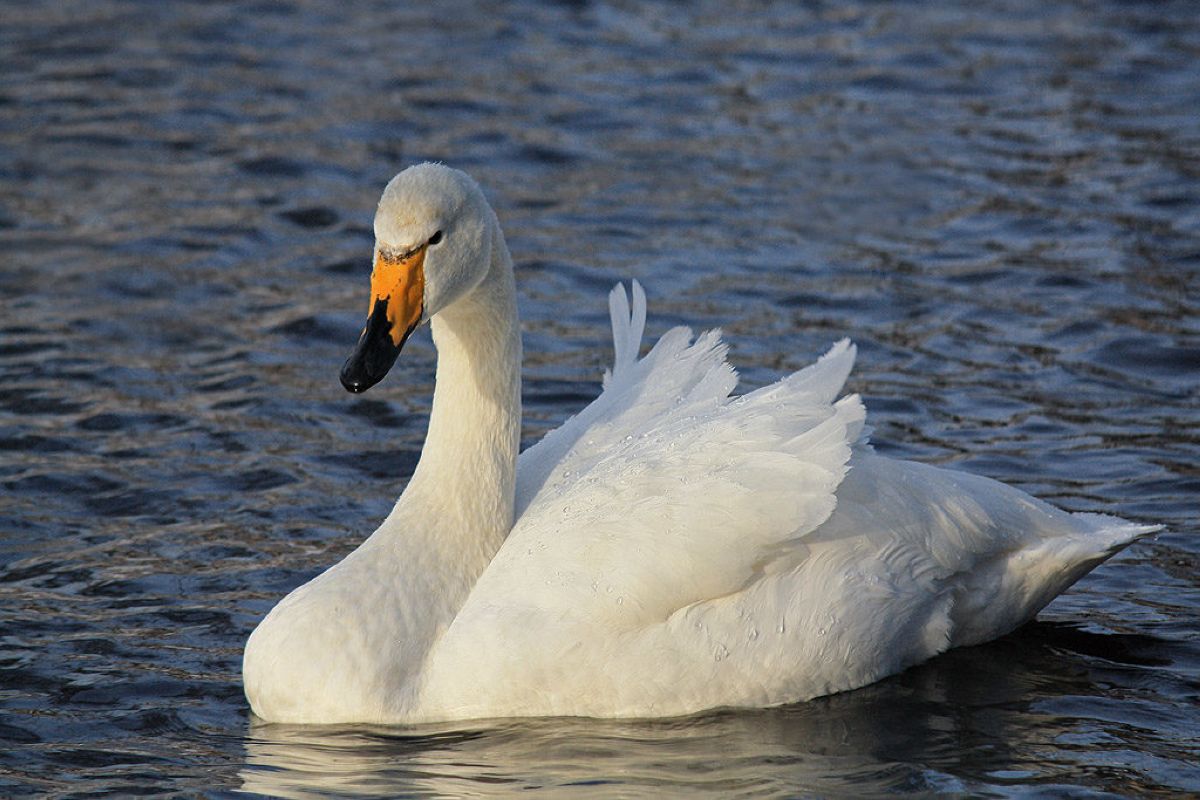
x=433, y=240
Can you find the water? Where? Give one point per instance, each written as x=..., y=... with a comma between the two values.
x=1000, y=203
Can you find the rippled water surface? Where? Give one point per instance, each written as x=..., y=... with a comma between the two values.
x=1000, y=203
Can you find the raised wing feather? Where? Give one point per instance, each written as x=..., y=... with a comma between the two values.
x=665, y=490
x=673, y=374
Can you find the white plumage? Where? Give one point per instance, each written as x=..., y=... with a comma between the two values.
x=669, y=549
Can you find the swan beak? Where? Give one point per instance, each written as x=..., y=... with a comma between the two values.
x=397, y=305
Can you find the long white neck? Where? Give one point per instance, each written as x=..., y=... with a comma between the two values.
x=462, y=490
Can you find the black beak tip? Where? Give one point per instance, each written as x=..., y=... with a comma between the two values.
x=374, y=354
x=355, y=379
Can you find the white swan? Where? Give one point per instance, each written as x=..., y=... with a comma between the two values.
x=669, y=549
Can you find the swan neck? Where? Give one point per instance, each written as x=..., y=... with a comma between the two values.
x=467, y=469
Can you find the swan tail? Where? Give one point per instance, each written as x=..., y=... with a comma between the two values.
x=1108, y=535
x=1031, y=577
x=628, y=325
x=1097, y=538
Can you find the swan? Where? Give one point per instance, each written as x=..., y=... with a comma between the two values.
x=669, y=549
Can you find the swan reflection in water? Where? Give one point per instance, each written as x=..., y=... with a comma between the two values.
x=968, y=718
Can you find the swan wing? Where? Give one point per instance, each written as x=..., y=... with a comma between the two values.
x=678, y=380
x=691, y=507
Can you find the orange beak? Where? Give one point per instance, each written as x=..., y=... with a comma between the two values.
x=397, y=304
x=400, y=283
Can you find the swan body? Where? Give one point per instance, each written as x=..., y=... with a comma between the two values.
x=669, y=549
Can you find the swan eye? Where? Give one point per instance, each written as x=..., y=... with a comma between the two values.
x=437, y=237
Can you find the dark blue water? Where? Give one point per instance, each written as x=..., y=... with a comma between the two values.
x=1000, y=202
